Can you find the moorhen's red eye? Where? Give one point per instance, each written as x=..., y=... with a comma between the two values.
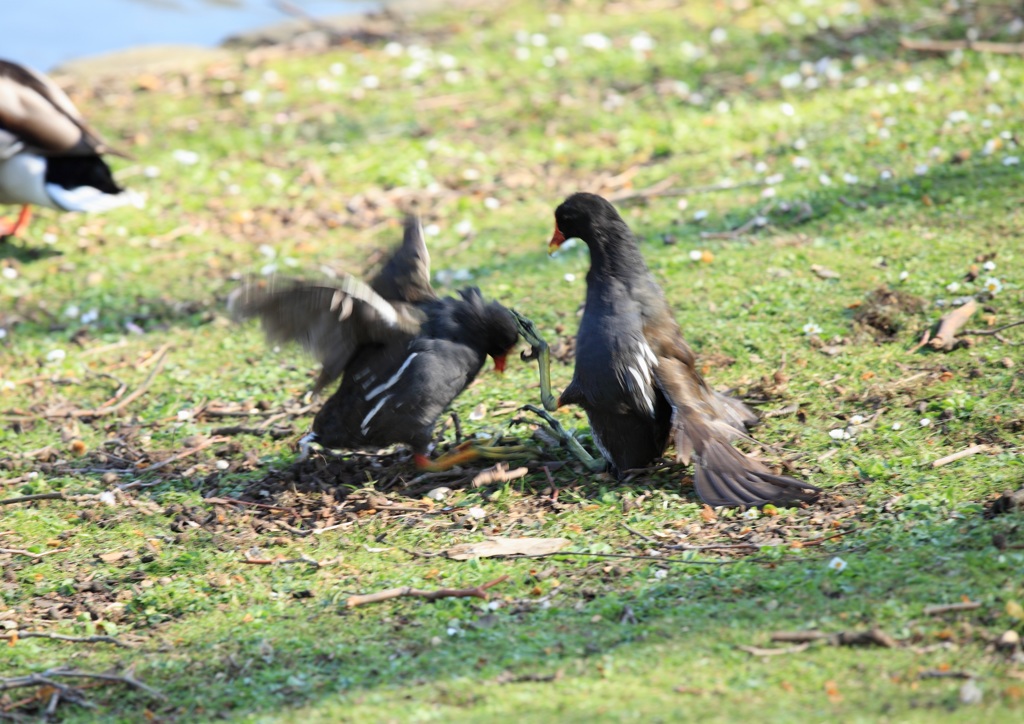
x=637, y=380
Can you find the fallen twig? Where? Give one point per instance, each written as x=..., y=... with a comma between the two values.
x=997, y=330
x=873, y=636
x=758, y=651
x=966, y=452
x=759, y=219
x=498, y=474
x=478, y=592
x=13, y=636
x=927, y=45
x=638, y=534
x=940, y=674
x=167, y=461
x=951, y=607
x=950, y=324
x=282, y=561
x=160, y=357
x=46, y=679
x=30, y=554
x=236, y=501
x=29, y=498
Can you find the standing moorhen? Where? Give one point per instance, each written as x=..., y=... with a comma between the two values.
x=405, y=353
x=49, y=155
x=637, y=379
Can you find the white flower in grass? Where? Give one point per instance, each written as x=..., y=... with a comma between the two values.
x=885, y=175
x=787, y=109
x=370, y=82
x=837, y=564
x=700, y=215
x=3, y=333
x=904, y=275
x=953, y=287
x=913, y=85
x=569, y=277
x=924, y=422
x=811, y=328
x=856, y=420
x=522, y=53
x=921, y=169
x=431, y=229
x=643, y=43
x=696, y=254
x=596, y=41
x=491, y=203
x=824, y=180
x=185, y=157
x=800, y=144
x=839, y=434
x=752, y=514
x=252, y=96
x=769, y=192
x=91, y=316
x=993, y=286
x=56, y=355
x=989, y=266
x=1011, y=160
x=897, y=425
x=719, y=36
x=464, y=227
x=993, y=76
x=775, y=178
x=801, y=162
x=790, y=81
x=72, y=311
x=850, y=178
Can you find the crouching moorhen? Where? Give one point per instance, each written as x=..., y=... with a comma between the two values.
x=403, y=353
x=637, y=380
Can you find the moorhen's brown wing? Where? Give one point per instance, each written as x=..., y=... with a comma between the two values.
x=405, y=277
x=331, y=323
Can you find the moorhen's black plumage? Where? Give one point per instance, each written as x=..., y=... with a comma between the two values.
x=637, y=379
x=403, y=353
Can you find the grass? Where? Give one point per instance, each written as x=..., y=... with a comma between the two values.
x=474, y=119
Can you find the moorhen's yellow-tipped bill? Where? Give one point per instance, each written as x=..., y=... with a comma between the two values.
x=557, y=239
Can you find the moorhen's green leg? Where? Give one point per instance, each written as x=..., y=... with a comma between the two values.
x=540, y=352
x=555, y=429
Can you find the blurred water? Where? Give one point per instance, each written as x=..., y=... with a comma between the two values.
x=44, y=33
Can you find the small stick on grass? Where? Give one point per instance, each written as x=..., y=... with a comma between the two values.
x=46, y=678
x=30, y=554
x=758, y=651
x=951, y=607
x=407, y=591
x=949, y=325
x=160, y=357
x=965, y=453
x=29, y=498
x=498, y=474
x=996, y=331
x=13, y=636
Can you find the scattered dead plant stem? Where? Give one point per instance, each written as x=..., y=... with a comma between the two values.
x=407, y=591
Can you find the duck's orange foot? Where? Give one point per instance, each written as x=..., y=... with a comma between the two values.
x=7, y=228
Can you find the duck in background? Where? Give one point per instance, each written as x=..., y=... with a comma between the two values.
x=49, y=155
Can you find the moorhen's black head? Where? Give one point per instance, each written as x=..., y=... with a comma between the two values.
x=590, y=218
x=489, y=328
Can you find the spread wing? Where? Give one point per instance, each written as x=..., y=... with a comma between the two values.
x=704, y=424
x=329, y=322
x=36, y=110
x=406, y=275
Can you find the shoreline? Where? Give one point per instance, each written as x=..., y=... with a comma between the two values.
x=298, y=33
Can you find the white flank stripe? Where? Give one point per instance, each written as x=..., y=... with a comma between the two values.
x=394, y=378
x=642, y=385
x=364, y=426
